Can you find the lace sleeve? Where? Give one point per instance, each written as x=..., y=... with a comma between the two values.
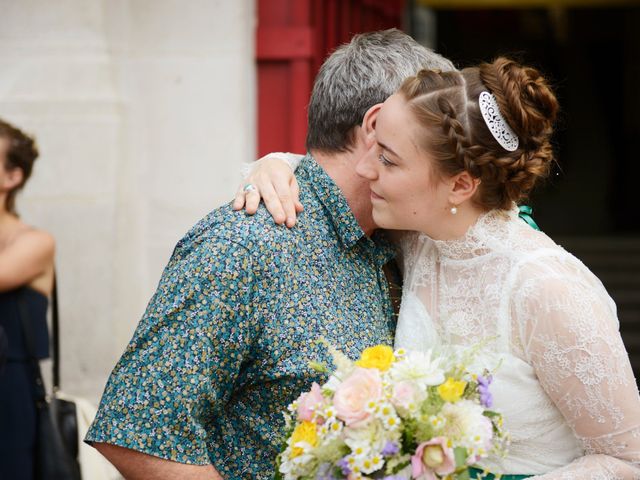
x=292, y=159
x=569, y=332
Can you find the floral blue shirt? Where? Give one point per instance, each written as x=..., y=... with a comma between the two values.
x=225, y=342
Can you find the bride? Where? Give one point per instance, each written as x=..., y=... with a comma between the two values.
x=451, y=156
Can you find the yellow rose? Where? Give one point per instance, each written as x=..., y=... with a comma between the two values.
x=380, y=357
x=304, y=432
x=452, y=390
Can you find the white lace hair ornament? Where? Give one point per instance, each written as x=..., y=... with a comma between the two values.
x=496, y=123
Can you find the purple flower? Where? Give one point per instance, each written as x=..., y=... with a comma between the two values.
x=486, y=399
x=485, y=381
x=390, y=449
x=344, y=466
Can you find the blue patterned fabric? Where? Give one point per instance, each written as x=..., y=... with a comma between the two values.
x=225, y=342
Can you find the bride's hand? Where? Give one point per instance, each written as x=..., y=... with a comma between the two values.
x=276, y=185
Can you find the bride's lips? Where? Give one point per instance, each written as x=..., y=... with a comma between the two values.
x=375, y=196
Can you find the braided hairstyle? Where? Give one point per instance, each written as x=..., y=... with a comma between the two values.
x=22, y=152
x=457, y=137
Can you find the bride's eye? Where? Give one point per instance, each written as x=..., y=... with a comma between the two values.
x=385, y=161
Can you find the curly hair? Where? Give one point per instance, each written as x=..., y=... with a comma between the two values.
x=21, y=153
x=456, y=135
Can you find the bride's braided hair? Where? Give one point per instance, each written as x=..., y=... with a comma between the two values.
x=455, y=134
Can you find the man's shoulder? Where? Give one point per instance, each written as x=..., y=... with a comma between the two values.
x=253, y=233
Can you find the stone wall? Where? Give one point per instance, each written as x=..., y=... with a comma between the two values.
x=144, y=111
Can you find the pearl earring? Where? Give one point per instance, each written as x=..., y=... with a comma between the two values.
x=454, y=210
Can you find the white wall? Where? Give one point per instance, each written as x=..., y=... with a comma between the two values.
x=144, y=111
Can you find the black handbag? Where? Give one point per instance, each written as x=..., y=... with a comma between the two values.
x=4, y=348
x=57, y=430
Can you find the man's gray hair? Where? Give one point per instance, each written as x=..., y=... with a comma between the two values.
x=358, y=75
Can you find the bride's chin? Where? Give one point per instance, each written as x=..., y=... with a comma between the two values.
x=377, y=218
x=383, y=220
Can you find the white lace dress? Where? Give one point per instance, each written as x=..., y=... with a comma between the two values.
x=564, y=383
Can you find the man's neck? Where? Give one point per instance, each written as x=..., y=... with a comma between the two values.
x=332, y=163
x=341, y=168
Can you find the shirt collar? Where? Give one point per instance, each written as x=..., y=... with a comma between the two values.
x=343, y=219
x=383, y=251
x=332, y=199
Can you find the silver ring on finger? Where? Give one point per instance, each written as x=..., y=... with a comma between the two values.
x=249, y=187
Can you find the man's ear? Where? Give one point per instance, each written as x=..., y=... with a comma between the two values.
x=369, y=123
x=12, y=179
x=463, y=187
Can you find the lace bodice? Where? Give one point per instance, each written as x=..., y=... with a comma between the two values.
x=556, y=329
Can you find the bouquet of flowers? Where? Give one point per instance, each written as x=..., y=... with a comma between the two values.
x=392, y=415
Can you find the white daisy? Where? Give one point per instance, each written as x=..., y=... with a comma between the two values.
x=419, y=368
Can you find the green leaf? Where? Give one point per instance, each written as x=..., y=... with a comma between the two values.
x=396, y=464
x=461, y=455
x=463, y=475
x=277, y=475
x=318, y=367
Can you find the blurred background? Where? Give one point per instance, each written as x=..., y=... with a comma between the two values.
x=145, y=111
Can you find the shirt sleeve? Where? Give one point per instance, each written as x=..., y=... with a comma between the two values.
x=569, y=331
x=179, y=369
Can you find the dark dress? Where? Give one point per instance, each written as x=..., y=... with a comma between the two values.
x=17, y=410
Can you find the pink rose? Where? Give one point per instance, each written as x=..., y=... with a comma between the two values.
x=404, y=394
x=351, y=397
x=308, y=402
x=434, y=456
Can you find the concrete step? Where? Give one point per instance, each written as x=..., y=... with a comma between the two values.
x=625, y=298
x=626, y=262
x=602, y=244
x=613, y=279
x=629, y=317
x=616, y=262
x=606, y=253
x=631, y=339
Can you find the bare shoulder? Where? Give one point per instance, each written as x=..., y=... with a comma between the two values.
x=27, y=258
x=37, y=240
x=33, y=243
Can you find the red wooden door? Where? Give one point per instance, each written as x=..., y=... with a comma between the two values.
x=293, y=38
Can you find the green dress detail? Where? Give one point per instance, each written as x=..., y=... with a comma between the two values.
x=480, y=475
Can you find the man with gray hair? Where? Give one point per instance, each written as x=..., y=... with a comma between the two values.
x=225, y=342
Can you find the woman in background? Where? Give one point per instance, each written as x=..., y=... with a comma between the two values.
x=26, y=278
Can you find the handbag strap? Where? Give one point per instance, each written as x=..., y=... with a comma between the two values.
x=55, y=335
x=27, y=330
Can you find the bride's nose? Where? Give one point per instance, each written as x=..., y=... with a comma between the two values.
x=366, y=166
